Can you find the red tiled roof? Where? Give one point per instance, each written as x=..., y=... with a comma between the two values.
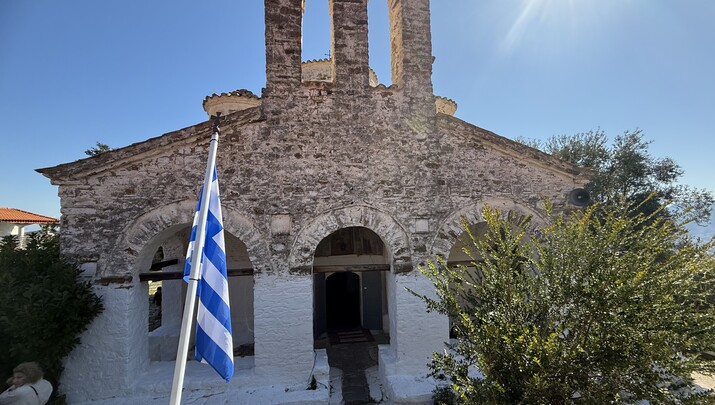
x=15, y=216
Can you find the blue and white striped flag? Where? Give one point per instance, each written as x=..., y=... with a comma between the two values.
x=214, y=344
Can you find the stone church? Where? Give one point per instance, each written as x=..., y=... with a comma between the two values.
x=335, y=189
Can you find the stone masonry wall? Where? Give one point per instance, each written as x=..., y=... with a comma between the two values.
x=316, y=156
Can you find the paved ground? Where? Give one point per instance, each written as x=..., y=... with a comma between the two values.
x=353, y=359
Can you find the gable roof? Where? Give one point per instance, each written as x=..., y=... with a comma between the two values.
x=16, y=216
x=66, y=172
x=510, y=147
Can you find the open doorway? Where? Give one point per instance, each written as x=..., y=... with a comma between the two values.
x=342, y=301
x=349, y=278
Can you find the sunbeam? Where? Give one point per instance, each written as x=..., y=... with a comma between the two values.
x=545, y=24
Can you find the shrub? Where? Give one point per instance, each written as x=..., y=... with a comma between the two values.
x=443, y=395
x=44, y=307
x=597, y=307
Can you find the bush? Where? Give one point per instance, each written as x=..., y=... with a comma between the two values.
x=598, y=307
x=44, y=307
x=443, y=395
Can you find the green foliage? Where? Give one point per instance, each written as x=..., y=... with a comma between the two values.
x=443, y=395
x=98, y=149
x=626, y=168
x=602, y=306
x=44, y=307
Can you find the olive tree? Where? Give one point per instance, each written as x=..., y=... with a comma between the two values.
x=599, y=306
x=625, y=168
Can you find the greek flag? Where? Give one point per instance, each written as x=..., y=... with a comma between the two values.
x=214, y=344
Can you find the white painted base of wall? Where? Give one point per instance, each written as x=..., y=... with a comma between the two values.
x=399, y=389
x=203, y=386
x=409, y=390
x=113, y=361
x=164, y=343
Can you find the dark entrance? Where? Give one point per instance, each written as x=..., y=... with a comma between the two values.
x=348, y=271
x=342, y=301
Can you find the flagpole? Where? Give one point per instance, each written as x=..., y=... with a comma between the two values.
x=196, y=255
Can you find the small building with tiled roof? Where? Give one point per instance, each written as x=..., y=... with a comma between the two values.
x=13, y=221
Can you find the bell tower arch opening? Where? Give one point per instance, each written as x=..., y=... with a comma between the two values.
x=315, y=30
x=379, y=51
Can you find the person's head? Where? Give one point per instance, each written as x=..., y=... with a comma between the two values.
x=26, y=373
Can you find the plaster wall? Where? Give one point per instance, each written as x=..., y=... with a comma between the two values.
x=418, y=333
x=283, y=328
x=241, y=296
x=113, y=349
x=9, y=229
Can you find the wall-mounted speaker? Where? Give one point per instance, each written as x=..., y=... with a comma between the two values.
x=579, y=197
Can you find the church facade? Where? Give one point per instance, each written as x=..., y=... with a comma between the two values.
x=335, y=190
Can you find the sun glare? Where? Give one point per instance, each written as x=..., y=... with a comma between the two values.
x=550, y=22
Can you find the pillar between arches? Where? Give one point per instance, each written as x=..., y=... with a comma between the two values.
x=283, y=327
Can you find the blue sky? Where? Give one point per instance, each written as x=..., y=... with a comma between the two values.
x=75, y=72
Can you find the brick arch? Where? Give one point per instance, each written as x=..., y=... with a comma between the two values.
x=393, y=235
x=140, y=238
x=451, y=227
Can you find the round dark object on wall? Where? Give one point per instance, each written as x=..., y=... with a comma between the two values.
x=579, y=197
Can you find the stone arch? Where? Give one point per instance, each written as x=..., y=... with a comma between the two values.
x=148, y=230
x=451, y=227
x=384, y=225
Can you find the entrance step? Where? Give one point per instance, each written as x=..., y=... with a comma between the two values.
x=350, y=336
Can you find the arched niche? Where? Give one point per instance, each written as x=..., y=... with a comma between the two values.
x=168, y=227
x=455, y=244
x=133, y=252
x=451, y=227
x=392, y=234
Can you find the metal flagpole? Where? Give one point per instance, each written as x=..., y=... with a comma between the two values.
x=196, y=255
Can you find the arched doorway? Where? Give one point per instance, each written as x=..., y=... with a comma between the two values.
x=349, y=279
x=342, y=301
x=466, y=257
x=458, y=256
x=173, y=242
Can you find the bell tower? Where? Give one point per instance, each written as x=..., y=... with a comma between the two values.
x=411, y=50
x=410, y=43
x=349, y=45
x=283, y=19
